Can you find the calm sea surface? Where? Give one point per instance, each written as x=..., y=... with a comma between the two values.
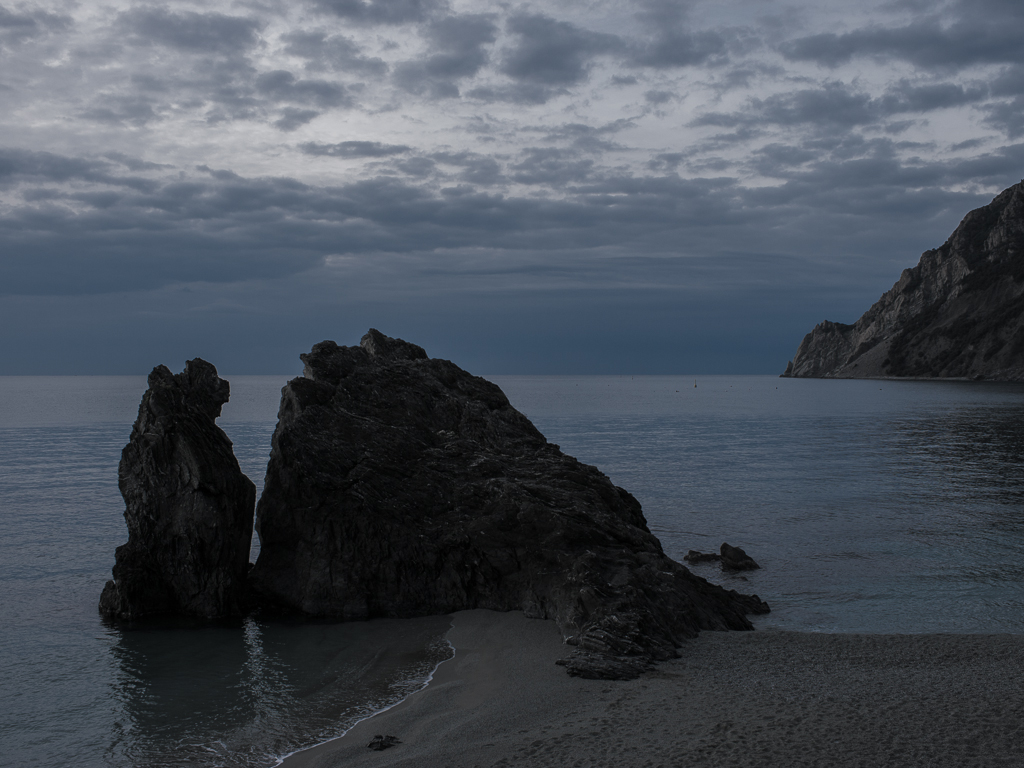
x=871, y=507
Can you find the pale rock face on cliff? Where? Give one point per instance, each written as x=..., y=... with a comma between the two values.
x=958, y=314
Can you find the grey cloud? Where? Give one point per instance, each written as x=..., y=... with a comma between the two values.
x=1007, y=116
x=552, y=53
x=135, y=163
x=458, y=45
x=477, y=168
x=220, y=227
x=554, y=167
x=666, y=161
x=353, y=149
x=516, y=93
x=982, y=31
x=624, y=80
x=679, y=49
x=786, y=155
x=17, y=27
x=382, y=11
x=419, y=167
x=1009, y=82
x=135, y=110
x=836, y=106
x=331, y=52
x=281, y=85
x=24, y=166
x=835, y=103
x=659, y=97
x=969, y=144
x=906, y=97
x=292, y=118
x=194, y=32
x=673, y=43
x=589, y=138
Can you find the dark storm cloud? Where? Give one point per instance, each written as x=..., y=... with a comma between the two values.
x=552, y=53
x=353, y=149
x=458, y=47
x=193, y=32
x=337, y=53
x=382, y=11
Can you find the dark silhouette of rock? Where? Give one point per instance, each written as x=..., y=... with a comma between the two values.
x=400, y=485
x=693, y=556
x=188, y=506
x=735, y=559
x=379, y=743
x=958, y=314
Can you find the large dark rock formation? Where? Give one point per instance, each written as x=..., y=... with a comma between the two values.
x=958, y=314
x=188, y=506
x=400, y=485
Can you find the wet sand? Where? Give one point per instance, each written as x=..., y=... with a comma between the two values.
x=765, y=698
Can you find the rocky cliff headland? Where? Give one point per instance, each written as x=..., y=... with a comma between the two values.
x=400, y=485
x=958, y=314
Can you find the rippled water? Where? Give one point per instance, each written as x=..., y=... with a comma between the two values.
x=871, y=506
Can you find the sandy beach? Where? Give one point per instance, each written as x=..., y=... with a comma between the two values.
x=765, y=698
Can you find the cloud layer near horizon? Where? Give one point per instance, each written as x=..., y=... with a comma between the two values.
x=505, y=182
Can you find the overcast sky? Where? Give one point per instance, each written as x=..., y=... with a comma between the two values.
x=568, y=187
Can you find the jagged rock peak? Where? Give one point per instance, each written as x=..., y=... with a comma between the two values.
x=958, y=314
x=400, y=485
x=188, y=507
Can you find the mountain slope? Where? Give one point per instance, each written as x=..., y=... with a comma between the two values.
x=958, y=314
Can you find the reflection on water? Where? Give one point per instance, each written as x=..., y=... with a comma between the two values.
x=242, y=694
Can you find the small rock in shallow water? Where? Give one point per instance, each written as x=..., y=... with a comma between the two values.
x=735, y=559
x=383, y=742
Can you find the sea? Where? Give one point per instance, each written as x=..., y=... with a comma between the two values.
x=871, y=506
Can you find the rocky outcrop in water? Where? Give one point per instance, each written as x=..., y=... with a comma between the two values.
x=400, y=485
x=958, y=314
x=188, y=506
x=735, y=559
x=731, y=558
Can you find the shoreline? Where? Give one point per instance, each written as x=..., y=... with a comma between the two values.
x=762, y=698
